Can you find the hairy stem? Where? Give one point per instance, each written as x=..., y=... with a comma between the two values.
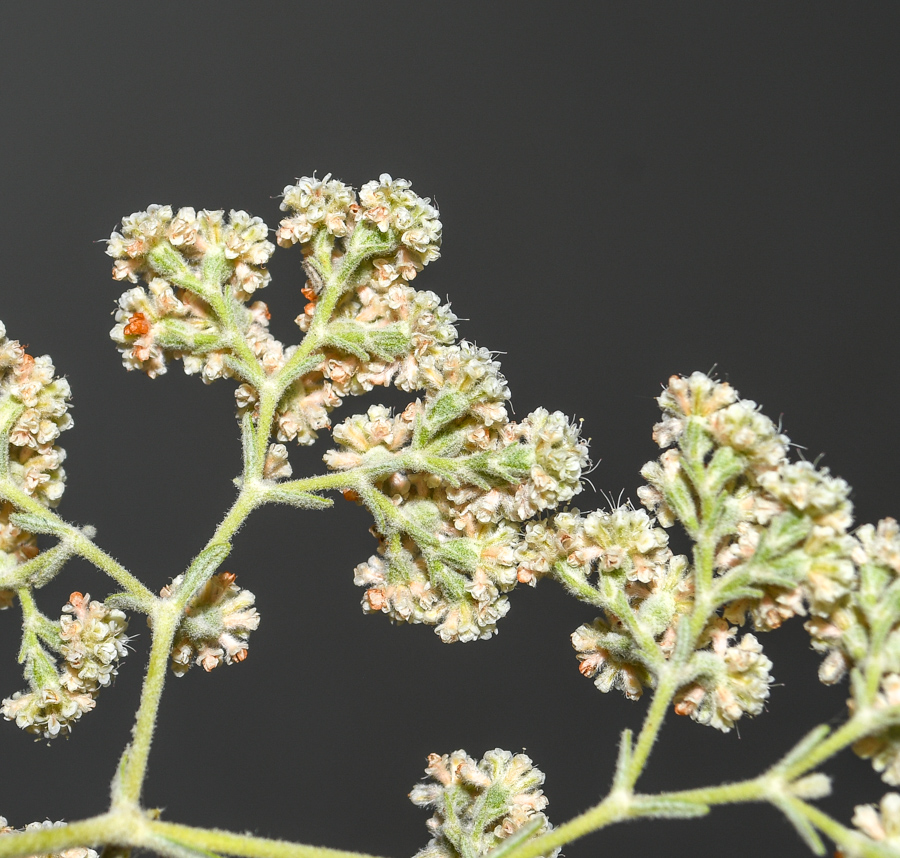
x=81, y=545
x=129, y=780
x=243, y=844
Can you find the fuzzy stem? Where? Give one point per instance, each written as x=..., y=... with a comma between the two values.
x=242, y=844
x=98, y=830
x=861, y=724
x=653, y=721
x=851, y=841
x=127, y=784
x=81, y=545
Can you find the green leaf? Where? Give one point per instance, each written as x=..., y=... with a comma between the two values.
x=388, y=342
x=40, y=570
x=34, y=523
x=785, y=531
x=813, y=738
x=216, y=269
x=460, y=553
x=347, y=344
x=723, y=467
x=623, y=761
x=447, y=406
x=283, y=493
x=169, y=263
x=203, y=567
x=695, y=442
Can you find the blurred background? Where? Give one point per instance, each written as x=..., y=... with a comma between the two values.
x=627, y=191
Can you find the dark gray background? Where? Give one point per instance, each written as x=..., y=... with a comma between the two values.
x=628, y=190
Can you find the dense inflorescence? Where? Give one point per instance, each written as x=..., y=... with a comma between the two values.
x=450, y=480
x=91, y=639
x=771, y=542
x=34, y=410
x=478, y=804
x=216, y=625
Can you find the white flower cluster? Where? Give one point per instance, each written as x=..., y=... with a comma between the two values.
x=166, y=322
x=789, y=512
x=881, y=824
x=92, y=640
x=862, y=631
x=317, y=204
x=29, y=389
x=780, y=526
x=450, y=553
x=71, y=852
x=216, y=626
x=478, y=804
x=194, y=235
x=733, y=679
x=327, y=209
x=624, y=548
x=383, y=311
x=390, y=205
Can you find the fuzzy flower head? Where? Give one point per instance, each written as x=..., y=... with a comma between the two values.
x=478, y=804
x=390, y=205
x=91, y=640
x=37, y=401
x=880, y=823
x=217, y=624
x=734, y=680
x=157, y=242
x=48, y=711
x=315, y=205
x=732, y=422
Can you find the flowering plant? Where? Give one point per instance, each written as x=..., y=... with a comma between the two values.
x=467, y=504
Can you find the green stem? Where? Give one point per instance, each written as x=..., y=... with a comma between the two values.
x=844, y=837
x=243, y=844
x=96, y=831
x=585, y=591
x=81, y=545
x=653, y=721
x=129, y=781
x=860, y=725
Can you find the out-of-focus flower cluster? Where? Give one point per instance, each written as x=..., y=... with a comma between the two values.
x=216, y=625
x=34, y=410
x=860, y=635
x=91, y=640
x=463, y=479
x=478, y=804
x=881, y=823
x=71, y=852
x=772, y=535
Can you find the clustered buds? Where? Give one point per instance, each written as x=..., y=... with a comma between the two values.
x=479, y=804
x=881, y=824
x=198, y=268
x=860, y=635
x=329, y=207
x=71, y=852
x=91, y=639
x=34, y=410
x=772, y=538
x=450, y=533
x=216, y=625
